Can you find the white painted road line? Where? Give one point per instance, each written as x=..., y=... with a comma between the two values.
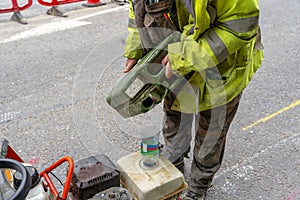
x=46, y=29
x=58, y=26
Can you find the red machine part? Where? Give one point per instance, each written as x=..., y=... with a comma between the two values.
x=13, y=155
x=50, y=184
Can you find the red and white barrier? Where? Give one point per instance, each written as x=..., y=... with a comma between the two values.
x=16, y=10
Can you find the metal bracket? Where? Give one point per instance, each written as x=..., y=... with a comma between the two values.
x=56, y=12
x=18, y=18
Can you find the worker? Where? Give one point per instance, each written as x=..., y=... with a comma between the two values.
x=221, y=45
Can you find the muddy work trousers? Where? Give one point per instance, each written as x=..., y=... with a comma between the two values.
x=211, y=127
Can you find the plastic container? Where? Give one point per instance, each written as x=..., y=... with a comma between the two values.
x=149, y=151
x=162, y=182
x=145, y=86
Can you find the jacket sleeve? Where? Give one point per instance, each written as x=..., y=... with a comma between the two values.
x=235, y=25
x=133, y=48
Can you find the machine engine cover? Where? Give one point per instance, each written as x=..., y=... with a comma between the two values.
x=93, y=175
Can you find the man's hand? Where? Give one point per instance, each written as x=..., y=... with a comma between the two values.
x=130, y=63
x=166, y=63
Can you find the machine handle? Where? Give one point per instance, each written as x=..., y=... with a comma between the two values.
x=45, y=175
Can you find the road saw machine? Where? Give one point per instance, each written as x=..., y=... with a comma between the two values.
x=94, y=178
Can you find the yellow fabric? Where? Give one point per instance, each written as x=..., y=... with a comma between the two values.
x=194, y=53
x=133, y=48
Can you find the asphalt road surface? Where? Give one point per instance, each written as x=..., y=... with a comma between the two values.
x=56, y=73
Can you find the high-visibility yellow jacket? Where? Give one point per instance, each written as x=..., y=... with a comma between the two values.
x=220, y=42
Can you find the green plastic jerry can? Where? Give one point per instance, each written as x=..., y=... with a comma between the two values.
x=145, y=86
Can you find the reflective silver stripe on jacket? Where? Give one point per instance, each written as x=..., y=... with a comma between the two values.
x=241, y=25
x=216, y=45
x=189, y=6
x=132, y=23
x=258, y=44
